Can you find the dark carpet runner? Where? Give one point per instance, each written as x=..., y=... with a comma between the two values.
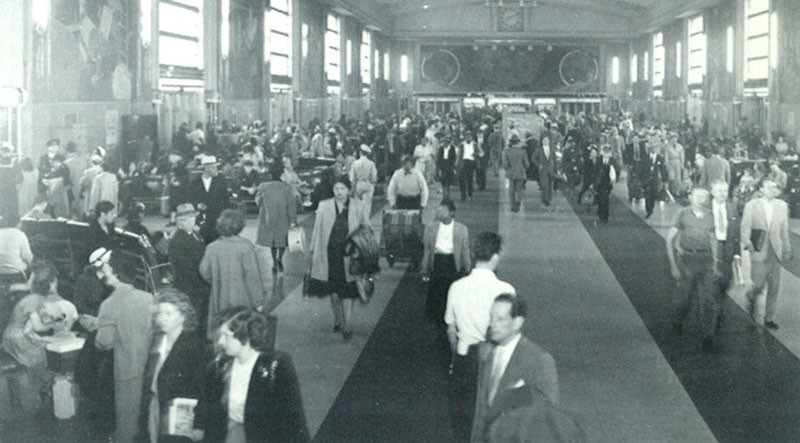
x=747, y=392
x=397, y=390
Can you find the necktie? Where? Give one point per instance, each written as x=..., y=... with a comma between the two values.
x=496, y=375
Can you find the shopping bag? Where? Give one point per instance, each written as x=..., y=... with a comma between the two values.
x=297, y=240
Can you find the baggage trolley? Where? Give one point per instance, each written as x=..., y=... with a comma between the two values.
x=402, y=235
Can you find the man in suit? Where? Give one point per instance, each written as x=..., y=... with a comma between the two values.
x=765, y=233
x=469, y=152
x=715, y=168
x=446, y=164
x=514, y=371
x=653, y=173
x=545, y=160
x=726, y=232
x=605, y=176
x=446, y=258
x=45, y=166
x=186, y=249
x=516, y=164
x=210, y=193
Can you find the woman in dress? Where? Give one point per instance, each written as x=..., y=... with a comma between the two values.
x=675, y=161
x=277, y=213
x=251, y=392
x=230, y=264
x=336, y=219
x=177, y=363
x=43, y=310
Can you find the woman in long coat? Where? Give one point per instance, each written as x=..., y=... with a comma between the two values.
x=230, y=264
x=277, y=213
x=336, y=219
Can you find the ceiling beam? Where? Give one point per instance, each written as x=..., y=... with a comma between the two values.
x=615, y=8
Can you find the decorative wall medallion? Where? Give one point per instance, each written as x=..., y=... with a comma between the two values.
x=577, y=67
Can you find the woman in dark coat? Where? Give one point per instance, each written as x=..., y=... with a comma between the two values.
x=262, y=405
x=177, y=364
x=277, y=213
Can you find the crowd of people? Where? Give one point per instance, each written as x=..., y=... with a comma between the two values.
x=207, y=339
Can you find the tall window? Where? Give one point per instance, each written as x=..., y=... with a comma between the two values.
x=279, y=21
x=387, y=68
x=366, y=59
x=729, y=49
x=376, y=63
x=403, y=68
x=697, y=53
x=678, y=59
x=333, y=71
x=756, y=45
x=646, y=72
x=180, y=44
x=615, y=70
x=658, y=63
x=348, y=56
x=634, y=68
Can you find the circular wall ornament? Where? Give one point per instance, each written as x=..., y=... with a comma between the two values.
x=578, y=66
x=441, y=66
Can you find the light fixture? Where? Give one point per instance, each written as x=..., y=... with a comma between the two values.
x=424, y=6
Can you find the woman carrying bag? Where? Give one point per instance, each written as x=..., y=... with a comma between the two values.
x=336, y=219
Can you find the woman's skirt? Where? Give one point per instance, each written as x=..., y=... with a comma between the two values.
x=443, y=275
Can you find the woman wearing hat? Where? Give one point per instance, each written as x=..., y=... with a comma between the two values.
x=277, y=213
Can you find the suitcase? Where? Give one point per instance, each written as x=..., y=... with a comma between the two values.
x=402, y=235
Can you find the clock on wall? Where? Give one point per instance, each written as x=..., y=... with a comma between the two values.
x=510, y=19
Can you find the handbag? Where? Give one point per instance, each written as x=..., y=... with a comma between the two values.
x=313, y=287
x=297, y=240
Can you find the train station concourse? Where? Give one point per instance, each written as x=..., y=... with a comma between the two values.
x=243, y=221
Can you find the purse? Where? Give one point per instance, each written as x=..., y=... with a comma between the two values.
x=313, y=287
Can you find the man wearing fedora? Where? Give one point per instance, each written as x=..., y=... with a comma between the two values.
x=186, y=249
x=211, y=194
x=515, y=162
